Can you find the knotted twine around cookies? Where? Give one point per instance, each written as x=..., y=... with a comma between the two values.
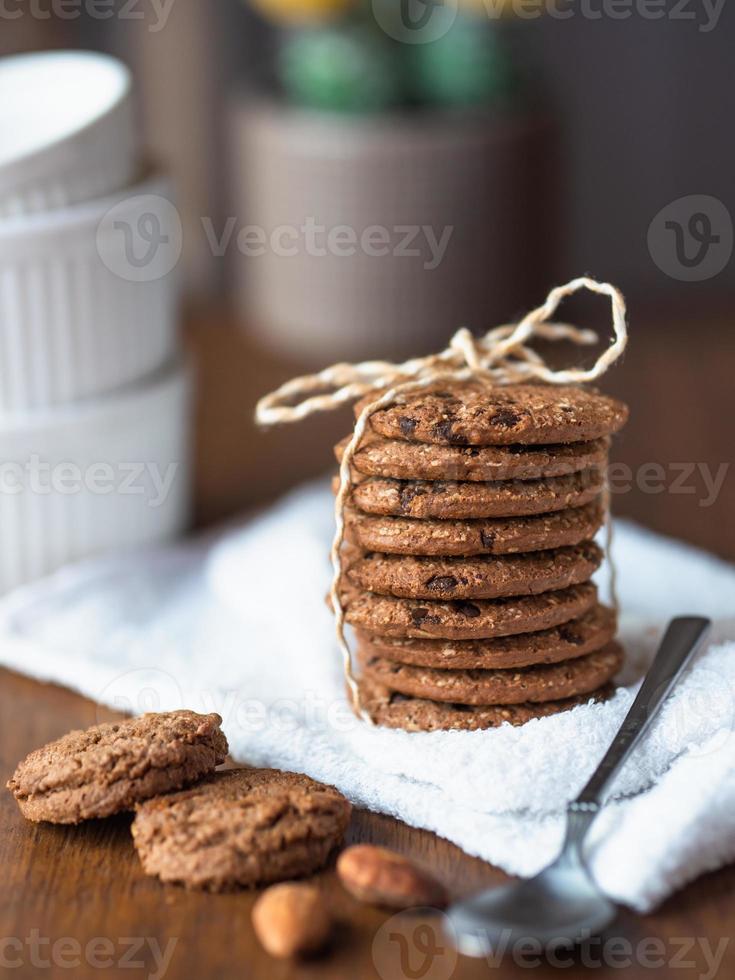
x=500, y=357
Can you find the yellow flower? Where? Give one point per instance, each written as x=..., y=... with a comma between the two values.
x=302, y=11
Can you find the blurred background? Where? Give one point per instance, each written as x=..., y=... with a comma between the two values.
x=450, y=167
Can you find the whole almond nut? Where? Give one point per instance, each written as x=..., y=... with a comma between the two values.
x=381, y=877
x=291, y=920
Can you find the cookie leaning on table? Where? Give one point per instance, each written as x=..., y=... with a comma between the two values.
x=471, y=413
x=394, y=710
x=469, y=501
x=482, y=577
x=535, y=683
x=109, y=768
x=403, y=460
x=589, y=632
x=240, y=828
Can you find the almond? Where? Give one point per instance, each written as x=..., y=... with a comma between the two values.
x=381, y=877
x=291, y=920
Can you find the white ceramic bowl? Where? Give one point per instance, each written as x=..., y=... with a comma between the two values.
x=67, y=132
x=88, y=297
x=112, y=473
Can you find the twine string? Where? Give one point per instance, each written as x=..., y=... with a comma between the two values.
x=501, y=356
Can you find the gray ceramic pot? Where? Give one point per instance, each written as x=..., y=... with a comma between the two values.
x=378, y=237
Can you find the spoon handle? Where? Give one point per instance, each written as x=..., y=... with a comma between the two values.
x=682, y=639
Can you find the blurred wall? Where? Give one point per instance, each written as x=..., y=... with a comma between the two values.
x=646, y=108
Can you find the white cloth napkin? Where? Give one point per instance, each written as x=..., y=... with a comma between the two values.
x=237, y=624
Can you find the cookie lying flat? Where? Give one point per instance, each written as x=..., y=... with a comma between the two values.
x=394, y=710
x=536, y=684
x=471, y=413
x=483, y=577
x=403, y=460
x=240, y=828
x=493, y=536
x=590, y=632
x=464, y=619
x=109, y=768
x=462, y=501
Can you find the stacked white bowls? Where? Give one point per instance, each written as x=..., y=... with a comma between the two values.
x=94, y=399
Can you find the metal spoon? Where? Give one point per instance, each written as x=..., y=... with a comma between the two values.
x=562, y=904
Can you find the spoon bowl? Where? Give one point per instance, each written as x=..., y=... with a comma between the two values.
x=558, y=907
x=563, y=905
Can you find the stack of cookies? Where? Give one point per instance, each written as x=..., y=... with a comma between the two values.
x=469, y=553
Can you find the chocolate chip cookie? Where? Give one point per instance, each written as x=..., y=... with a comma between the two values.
x=109, y=768
x=536, y=683
x=466, y=501
x=482, y=577
x=589, y=632
x=404, y=460
x=492, y=536
x=470, y=413
x=240, y=828
x=394, y=710
x=463, y=619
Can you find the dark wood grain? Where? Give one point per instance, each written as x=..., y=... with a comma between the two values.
x=83, y=885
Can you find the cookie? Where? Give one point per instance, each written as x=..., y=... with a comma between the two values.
x=464, y=619
x=471, y=413
x=474, y=414
x=462, y=501
x=394, y=710
x=403, y=460
x=590, y=632
x=493, y=536
x=535, y=684
x=242, y=827
x=482, y=577
x=109, y=768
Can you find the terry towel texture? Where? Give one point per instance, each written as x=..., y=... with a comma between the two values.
x=237, y=624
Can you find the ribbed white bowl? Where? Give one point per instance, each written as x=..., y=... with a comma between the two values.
x=67, y=132
x=78, y=481
x=86, y=306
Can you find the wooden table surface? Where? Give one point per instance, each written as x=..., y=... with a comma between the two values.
x=73, y=901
